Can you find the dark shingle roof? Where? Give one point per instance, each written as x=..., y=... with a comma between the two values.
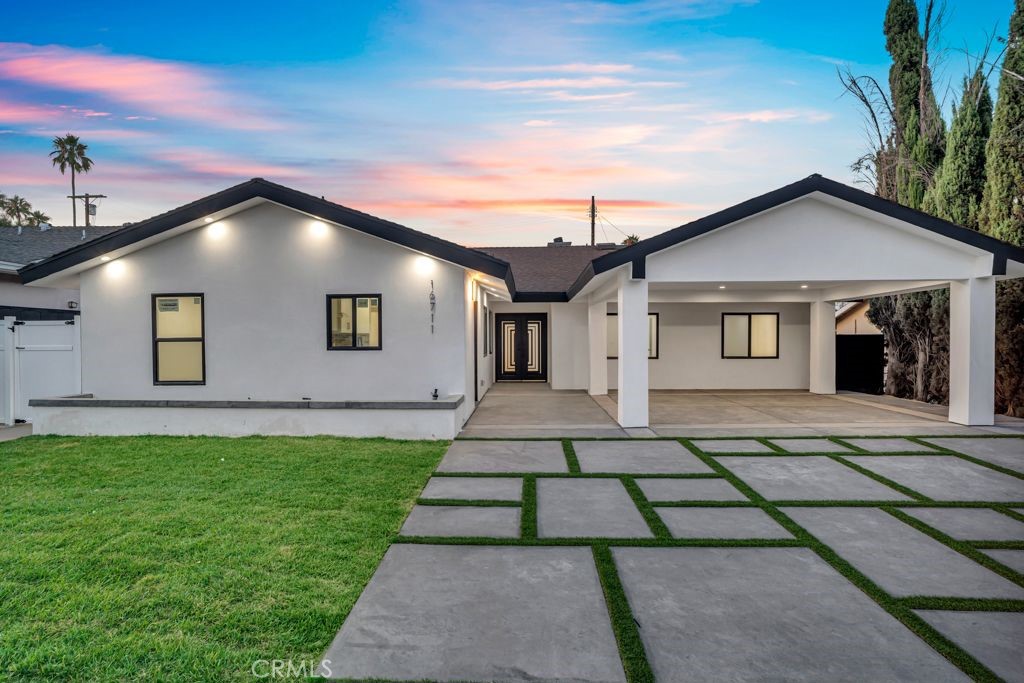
x=545, y=269
x=34, y=244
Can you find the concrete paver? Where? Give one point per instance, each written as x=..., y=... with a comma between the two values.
x=1004, y=452
x=993, y=638
x=504, y=456
x=481, y=613
x=889, y=446
x=721, y=522
x=799, y=477
x=674, y=490
x=945, y=477
x=632, y=457
x=900, y=559
x=810, y=446
x=457, y=520
x=474, y=488
x=574, y=508
x=757, y=614
x=731, y=446
x=971, y=524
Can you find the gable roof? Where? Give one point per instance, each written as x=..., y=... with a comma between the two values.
x=637, y=253
x=34, y=244
x=545, y=273
x=258, y=188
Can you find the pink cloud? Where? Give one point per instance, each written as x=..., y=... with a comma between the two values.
x=574, y=67
x=771, y=116
x=162, y=87
x=14, y=112
x=206, y=162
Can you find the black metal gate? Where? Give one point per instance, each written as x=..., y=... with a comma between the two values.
x=860, y=363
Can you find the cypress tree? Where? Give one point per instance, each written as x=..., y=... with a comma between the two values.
x=956, y=193
x=903, y=43
x=1002, y=214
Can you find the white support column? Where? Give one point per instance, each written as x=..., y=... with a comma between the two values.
x=633, y=353
x=823, y=347
x=597, y=324
x=972, y=350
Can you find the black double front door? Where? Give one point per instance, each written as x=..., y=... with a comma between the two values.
x=522, y=347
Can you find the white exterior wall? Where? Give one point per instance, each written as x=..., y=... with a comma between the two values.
x=567, y=340
x=265, y=281
x=17, y=294
x=569, y=343
x=399, y=424
x=690, y=352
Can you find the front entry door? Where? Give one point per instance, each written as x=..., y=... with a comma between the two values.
x=522, y=348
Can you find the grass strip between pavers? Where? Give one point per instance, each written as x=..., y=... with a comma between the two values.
x=961, y=547
x=896, y=486
x=962, y=604
x=940, y=643
x=570, y=456
x=650, y=515
x=528, y=516
x=624, y=625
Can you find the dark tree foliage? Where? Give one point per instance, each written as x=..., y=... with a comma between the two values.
x=1002, y=214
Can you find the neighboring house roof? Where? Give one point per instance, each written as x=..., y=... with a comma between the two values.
x=34, y=244
x=545, y=273
x=258, y=188
x=846, y=309
x=637, y=253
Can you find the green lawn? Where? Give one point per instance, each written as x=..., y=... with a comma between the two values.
x=187, y=559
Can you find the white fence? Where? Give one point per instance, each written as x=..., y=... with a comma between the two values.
x=38, y=359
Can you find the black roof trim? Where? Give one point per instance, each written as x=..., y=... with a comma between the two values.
x=539, y=297
x=813, y=183
x=300, y=201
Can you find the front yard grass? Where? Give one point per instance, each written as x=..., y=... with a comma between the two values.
x=188, y=559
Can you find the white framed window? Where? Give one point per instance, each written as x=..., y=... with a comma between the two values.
x=653, y=332
x=750, y=335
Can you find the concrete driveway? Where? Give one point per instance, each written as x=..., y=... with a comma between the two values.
x=535, y=410
x=809, y=559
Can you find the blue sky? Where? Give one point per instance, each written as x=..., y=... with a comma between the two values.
x=486, y=123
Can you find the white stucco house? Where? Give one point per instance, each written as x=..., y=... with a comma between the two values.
x=261, y=309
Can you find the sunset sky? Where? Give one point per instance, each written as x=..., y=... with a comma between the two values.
x=482, y=122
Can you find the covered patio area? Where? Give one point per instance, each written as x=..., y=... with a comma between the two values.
x=535, y=410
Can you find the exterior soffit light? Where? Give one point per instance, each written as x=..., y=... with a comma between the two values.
x=104, y=258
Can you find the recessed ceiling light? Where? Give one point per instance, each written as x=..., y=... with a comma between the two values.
x=208, y=219
x=721, y=286
x=104, y=258
x=803, y=286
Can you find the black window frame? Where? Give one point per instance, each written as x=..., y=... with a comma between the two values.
x=657, y=335
x=355, y=331
x=162, y=340
x=750, y=331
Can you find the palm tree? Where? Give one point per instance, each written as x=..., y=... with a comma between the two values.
x=4, y=218
x=69, y=152
x=37, y=218
x=18, y=209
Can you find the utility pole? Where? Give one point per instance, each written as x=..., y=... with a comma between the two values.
x=593, y=219
x=87, y=198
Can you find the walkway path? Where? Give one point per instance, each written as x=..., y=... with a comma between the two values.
x=885, y=559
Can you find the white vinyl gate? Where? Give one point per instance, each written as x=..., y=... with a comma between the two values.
x=40, y=359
